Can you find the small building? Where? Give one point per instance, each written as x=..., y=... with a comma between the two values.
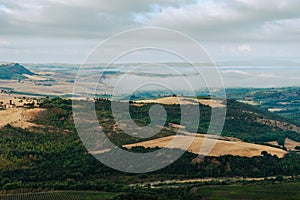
x=10, y=106
x=2, y=107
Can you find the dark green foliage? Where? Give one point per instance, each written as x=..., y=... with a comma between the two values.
x=241, y=122
x=183, y=193
x=286, y=99
x=56, y=158
x=58, y=114
x=60, y=162
x=265, y=191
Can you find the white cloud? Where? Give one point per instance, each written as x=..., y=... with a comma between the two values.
x=4, y=43
x=245, y=48
x=209, y=20
x=80, y=18
x=233, y=24
x=228, y=20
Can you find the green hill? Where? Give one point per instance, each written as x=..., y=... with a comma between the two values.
x=13, y=71
x=53, y=157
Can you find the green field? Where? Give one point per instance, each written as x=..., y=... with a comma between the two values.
x=285, y=191
x=261, y=191
x=60, y=196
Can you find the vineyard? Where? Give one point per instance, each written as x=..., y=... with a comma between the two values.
x=70, y=195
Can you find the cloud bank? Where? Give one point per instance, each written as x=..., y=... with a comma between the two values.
x=73, y=27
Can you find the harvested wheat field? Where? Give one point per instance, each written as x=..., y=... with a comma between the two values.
x=28, y=117
x=10, y=116
x=291, y=144
x=19, y=117
x=222, y=147
x=184, y=100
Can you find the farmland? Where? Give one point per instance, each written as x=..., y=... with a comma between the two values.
x=52, y=156
x=222, y=147
x=60, y=195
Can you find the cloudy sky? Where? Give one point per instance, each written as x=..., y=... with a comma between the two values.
x=66, y=31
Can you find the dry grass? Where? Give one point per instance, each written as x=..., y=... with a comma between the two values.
x=249, y=102
x=291, y=144
x=16, y=99
x=27, y=118
x=60, y=87
x=36, y=78
x=275, y=143
x=19, y=117
x=184, y=100
x=222, y=147
x=45, y=73
x=10, y=116
x=212, y=103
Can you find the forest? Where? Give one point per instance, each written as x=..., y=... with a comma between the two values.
x=54, y=157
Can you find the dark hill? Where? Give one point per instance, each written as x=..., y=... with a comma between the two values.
x=13, y=71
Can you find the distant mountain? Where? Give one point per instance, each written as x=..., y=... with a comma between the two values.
x=13, y=71
x=258, y=62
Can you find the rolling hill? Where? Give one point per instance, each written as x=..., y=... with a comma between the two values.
x=52, y=156
x=13, y=71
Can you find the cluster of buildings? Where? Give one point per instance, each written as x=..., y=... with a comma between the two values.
x=22, y=102
x=4, y=106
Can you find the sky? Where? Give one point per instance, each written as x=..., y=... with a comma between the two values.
x=66, y=31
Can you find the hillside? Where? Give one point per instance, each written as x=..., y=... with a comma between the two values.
x=52, y=156
x=13, y=71
x=281, y=101
x=222, y=147
x=246, y=122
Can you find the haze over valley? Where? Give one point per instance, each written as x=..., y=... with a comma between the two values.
x=149, y=100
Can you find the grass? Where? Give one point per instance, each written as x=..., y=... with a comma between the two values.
x=282, y=191
x=69, y=195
